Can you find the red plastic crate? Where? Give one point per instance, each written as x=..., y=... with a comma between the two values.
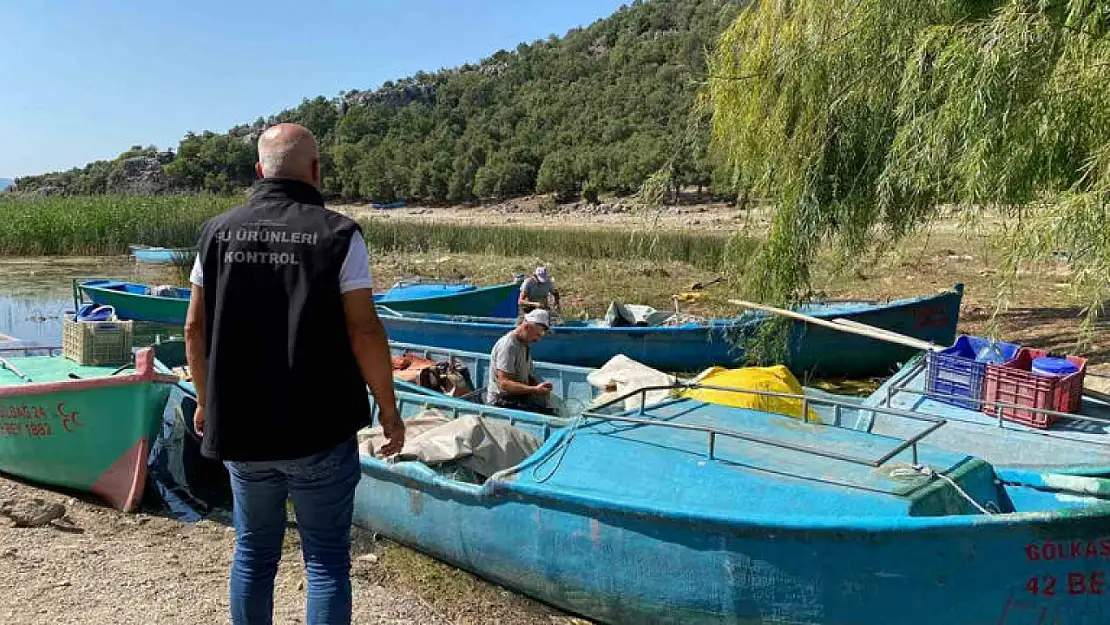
x=1015, y=383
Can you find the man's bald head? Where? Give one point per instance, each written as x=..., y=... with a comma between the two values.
x=289, y=151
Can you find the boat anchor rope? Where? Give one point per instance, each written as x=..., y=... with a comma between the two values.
x=929, y=472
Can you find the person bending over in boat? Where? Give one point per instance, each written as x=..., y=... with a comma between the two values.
x=512, y=381
x=282, y=339
x=537, y=291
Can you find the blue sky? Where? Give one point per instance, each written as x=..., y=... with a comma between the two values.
x=81, y=81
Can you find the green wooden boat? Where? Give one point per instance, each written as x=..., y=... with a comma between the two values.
x=133, y=301
x=81, y=427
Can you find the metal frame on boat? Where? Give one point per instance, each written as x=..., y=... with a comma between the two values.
x=806, y=400
x=616, y=553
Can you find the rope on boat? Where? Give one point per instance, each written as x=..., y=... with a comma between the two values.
x=918, y=469
x=560, y=451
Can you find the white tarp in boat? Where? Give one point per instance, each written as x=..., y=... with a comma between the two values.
x=623, y=315
x=623, y=375
x=481, y=444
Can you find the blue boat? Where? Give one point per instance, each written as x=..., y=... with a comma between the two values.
x=687, y=512
x=133, y=301
x=499, y=300
x=163, y=255
x=693, y=347
x=1077, y=444
x=569, y=383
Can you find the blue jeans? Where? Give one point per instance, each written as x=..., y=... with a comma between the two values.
x=323, y=488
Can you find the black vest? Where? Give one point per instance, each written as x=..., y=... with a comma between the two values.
x=283, y=382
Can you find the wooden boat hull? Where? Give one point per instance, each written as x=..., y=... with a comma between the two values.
x=642, y=560
x=631, y=566
x=91, y=435
x=691, y=348
x=131, y=303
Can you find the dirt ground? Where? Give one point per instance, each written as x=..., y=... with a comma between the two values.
x=541, y=211
x=96, y=566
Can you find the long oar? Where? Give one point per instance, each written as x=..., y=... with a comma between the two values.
x=890, y=333
x=852, y=328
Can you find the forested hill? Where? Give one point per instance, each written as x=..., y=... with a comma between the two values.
x=602, y=108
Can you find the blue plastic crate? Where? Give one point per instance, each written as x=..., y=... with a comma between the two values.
x=956, y=372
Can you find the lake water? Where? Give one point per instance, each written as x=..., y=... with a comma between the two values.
x=36, y=292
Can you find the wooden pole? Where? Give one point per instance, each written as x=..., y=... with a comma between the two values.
x=926, y=345
x=868, y=331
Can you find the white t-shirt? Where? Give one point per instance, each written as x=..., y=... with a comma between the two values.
x=353, y=275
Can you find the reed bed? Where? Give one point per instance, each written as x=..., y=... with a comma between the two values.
x=702, y=250
x=58, y=226
x=88, y=226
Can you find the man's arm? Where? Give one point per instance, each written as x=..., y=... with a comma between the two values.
x=509, y=386
x=195, y=348
x=371, y=348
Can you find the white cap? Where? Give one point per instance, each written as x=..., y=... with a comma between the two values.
x=539, y=317
x=541, y=274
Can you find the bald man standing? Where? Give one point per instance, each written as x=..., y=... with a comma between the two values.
x=283, y=338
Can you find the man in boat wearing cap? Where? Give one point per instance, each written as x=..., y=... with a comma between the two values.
x=536, y=291
x=283, y=339
x=512, y=380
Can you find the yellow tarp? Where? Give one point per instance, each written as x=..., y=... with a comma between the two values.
x=777, y=379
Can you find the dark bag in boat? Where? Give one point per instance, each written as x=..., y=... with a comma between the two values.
x=451, y=379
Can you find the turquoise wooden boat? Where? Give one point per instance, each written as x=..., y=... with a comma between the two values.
x=86, y=428
x=687, y=512
x=162, y=255
x=132, y=301
x=1077, y=444
x=693, y=347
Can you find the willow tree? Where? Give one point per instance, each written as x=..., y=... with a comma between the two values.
x=861, y=118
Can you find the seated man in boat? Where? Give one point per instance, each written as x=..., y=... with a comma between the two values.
x=537, y=291
x=512, y=379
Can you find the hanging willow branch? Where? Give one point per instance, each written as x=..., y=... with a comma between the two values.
x=860, y=121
